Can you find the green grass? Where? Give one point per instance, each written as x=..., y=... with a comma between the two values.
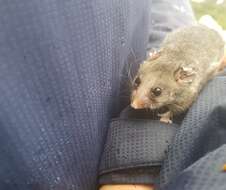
x=218, y=12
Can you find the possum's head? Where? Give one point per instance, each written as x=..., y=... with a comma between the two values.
x=156, y=85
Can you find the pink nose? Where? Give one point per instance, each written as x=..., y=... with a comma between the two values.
x=138, y=104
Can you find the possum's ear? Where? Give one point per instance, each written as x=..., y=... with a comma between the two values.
x=154, y=54
x=184, y=75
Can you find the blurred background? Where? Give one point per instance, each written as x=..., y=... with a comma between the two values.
x=211, y=13
x=214, y=8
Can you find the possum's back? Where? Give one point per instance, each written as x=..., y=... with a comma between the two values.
x=195, y=44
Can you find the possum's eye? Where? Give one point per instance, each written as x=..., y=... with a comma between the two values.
x=156, y=91
x=136, y=82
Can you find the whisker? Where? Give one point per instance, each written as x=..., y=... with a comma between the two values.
x=133, y=53
x=130, y=77
x=126, y=91
x=129, y=73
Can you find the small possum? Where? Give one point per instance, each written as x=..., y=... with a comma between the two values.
x=173, y=77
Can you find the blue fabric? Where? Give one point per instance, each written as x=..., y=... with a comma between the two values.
x=205, y=174
x=135, y=144
x=60, y=69
x=202, y=131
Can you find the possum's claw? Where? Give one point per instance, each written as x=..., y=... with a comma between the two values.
x=166, y=120
x=165, y=117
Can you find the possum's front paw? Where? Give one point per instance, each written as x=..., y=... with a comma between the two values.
x=166, y=120
x=165, y=117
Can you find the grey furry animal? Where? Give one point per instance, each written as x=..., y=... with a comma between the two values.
x=173, y=77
